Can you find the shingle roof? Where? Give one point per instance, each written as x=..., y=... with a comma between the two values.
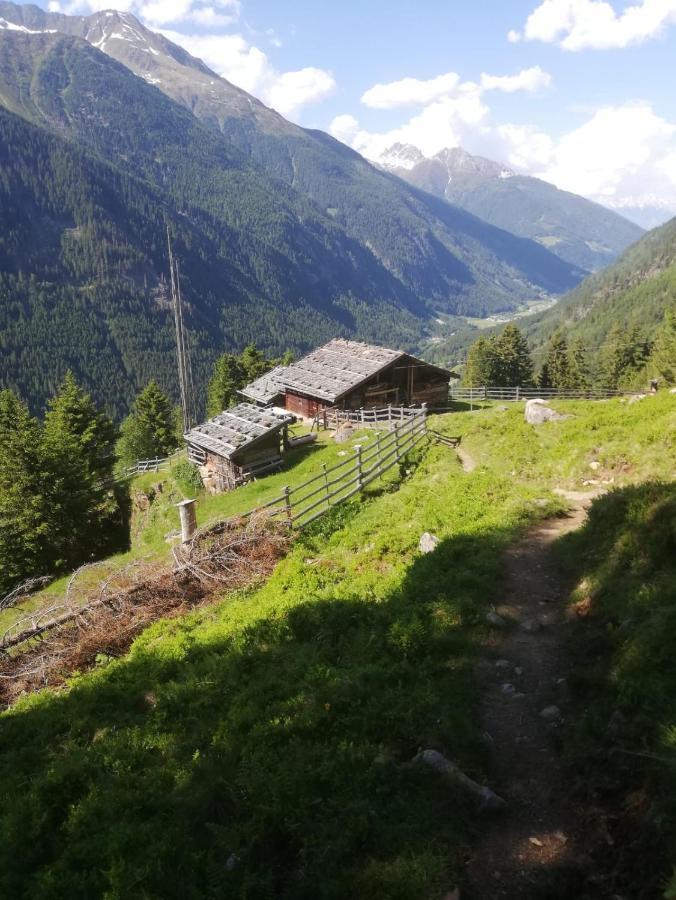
x=236, y=428
x=337, y=368
x=267, y=387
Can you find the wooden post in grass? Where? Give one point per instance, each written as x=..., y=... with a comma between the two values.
x=379, y=453
x=326, y=485
x=186, y=510
x=357, y=450
x=287, y=504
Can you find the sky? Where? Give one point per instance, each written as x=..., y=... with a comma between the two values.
x=578, y=92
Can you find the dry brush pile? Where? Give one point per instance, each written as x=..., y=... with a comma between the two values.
x=102, y=618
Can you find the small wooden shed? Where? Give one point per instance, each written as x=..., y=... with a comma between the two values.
x=238, y=445
x=354, y=375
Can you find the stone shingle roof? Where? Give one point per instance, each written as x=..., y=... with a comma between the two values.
x=235, y=429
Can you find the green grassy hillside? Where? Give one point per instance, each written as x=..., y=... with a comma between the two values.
x=261, y=746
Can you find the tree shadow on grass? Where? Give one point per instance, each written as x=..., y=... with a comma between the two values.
x=269, y=759
x=622, y=742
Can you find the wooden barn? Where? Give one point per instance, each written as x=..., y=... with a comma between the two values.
x=237, y=445
x=353, y=375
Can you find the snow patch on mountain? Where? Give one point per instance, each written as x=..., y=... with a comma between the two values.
x=10, y=26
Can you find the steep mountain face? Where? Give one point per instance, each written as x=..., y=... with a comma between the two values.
x=262, y=257
x=445, y=257
x=579, y=231
x=634, y=291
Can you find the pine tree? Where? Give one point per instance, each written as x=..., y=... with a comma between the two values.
x=623, y=355
x=229, y=376
x=481, y=363
x=150, y=430
x=23, y=526
x=662, y=362
x=253, y=363
x=78, y=450
x=514, y=363
x=578, y=367
x=555, y=371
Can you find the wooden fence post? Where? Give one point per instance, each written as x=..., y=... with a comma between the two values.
x=186, y=510
x=287, y=504
x=389, y=412
x=379, y=454
x=357, y=450
x=326, y=485
x=517, y=392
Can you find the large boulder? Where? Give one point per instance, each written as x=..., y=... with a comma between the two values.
x=428, y=542
x=538, y=412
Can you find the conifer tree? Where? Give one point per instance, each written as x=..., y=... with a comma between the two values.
x=578, y=367
x=78, y=449
x=23, y=527
x=228, y=378
x=150, y=430
x=253, y=363
x=623, y=355
x=481, y=364
x=555, y=372
x=514, y=363
x=662, y=362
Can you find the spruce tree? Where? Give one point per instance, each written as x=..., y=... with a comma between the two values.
x=578, y=367
x=78, y=448
x=24, y=527
x=623, y=355
x=481, y=363
x=228, y=378
x=150, y=430
x=253, y=363
x=555, y=371
x=514, y=363
x=662, y=362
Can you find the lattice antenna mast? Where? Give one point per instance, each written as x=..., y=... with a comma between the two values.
x=184, y=376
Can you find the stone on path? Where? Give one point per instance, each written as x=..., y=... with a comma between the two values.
x=551, y=714
x=428, y=542
x=495, y=620
x=531, y=626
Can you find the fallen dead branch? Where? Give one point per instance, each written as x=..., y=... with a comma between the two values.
x=23, y=591
x=44, y=647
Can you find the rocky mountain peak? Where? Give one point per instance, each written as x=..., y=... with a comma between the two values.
x=401, y=156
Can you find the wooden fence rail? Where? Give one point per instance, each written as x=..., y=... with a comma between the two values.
x=369, y=418
x=306, y=502
x=527, y=393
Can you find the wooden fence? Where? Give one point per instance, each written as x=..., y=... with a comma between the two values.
x=476, y=395
x=148, y=465
x=369, y=418
x=306, y=502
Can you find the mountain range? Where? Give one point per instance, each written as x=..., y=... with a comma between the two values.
x=579, y=231
x=110, y=133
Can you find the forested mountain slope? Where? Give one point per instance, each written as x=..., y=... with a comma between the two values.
x=633, y=292
x=260, y=260
x=583, y=233
x=408, y=230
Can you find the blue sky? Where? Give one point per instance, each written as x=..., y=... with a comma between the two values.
x=579, y=92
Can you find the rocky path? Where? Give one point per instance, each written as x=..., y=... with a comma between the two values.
x=534, y=849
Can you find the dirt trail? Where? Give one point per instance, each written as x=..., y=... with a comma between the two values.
x=467, y=461
x=534, y=849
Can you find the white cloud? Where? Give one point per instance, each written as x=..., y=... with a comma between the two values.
x=248, y=67
x=417, y=92
x=533, y=79
x=160, y=12
x=290, y=91
x=583, y=24
x=617, y=150
x=410, y=91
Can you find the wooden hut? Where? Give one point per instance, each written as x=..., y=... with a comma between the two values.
x=238, y=445
x=353, y=375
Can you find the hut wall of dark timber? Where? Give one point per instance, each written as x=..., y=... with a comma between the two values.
x=405, y=381
x=238, y=445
